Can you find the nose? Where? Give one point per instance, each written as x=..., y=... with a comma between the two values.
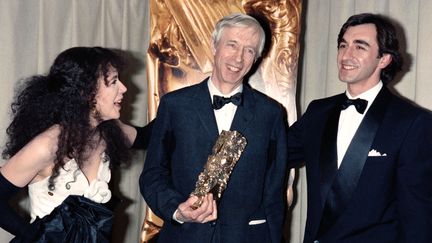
x=239, y=54
x=122, y=88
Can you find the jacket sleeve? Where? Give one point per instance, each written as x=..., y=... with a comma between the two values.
x=155, y=183
x=414, y=185
x=142, y=138
x=275, y=203
x=296, y=138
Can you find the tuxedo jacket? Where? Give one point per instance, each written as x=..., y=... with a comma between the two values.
x=382, y=191
x=183, y=135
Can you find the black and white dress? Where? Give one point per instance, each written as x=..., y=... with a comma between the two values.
x=74, y=211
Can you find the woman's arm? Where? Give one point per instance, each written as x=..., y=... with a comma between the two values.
x=30, y=164
x=138, y=137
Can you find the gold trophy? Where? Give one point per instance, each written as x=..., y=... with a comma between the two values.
x=217, y=170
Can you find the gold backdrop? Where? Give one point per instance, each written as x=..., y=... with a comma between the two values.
x=179, y=54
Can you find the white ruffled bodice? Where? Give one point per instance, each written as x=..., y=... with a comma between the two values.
x=71, y=181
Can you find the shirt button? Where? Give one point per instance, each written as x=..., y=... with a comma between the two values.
x=212, y=223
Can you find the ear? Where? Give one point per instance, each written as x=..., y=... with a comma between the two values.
x=385, y=60
x=213, y=47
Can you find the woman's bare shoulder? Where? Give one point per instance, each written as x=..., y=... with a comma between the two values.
x=35, y=157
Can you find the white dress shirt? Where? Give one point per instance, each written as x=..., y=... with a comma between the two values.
x=225, y=115
x=350, y=120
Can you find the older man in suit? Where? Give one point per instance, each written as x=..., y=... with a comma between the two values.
x=187, y=125
x=368, y=152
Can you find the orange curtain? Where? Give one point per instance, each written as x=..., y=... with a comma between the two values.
x=179, y=55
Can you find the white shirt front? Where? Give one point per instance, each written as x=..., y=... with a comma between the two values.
x=225, y=115
x=350, y=120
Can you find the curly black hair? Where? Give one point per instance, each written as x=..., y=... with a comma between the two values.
x=66, y=97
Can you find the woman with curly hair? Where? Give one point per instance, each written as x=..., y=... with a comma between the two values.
x=63, y=141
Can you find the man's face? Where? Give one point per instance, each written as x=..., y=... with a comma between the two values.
x=358, y=62
x=234, y=55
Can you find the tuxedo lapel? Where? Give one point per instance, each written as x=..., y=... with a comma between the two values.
x=352, y=164
x=328, y=151
x=204, y=109
x=245, y=112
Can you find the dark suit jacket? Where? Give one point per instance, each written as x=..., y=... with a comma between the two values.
x=384, y=198
x=184, y=133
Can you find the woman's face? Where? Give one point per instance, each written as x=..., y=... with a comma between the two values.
x=109, y=96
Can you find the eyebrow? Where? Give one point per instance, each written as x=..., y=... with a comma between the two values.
x=231, y=41
x=113, y=77
x=361, y=42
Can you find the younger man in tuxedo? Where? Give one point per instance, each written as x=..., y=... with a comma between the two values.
x=368, y=153
x=186, y=127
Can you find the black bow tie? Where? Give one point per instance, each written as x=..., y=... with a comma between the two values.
x=219, y=101
x=359, y=104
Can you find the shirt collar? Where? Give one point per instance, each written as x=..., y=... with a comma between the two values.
x=214, y=91
x=368, y=95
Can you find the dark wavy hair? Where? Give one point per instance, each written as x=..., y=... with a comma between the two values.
x=386, y=38
x=66, y=97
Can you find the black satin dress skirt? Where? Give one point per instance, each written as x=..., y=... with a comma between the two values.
x=76, y=220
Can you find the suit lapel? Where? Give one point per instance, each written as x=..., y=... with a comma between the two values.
x=328, y=151
x=204, y=110
x=352, y=164
x=245, y=112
